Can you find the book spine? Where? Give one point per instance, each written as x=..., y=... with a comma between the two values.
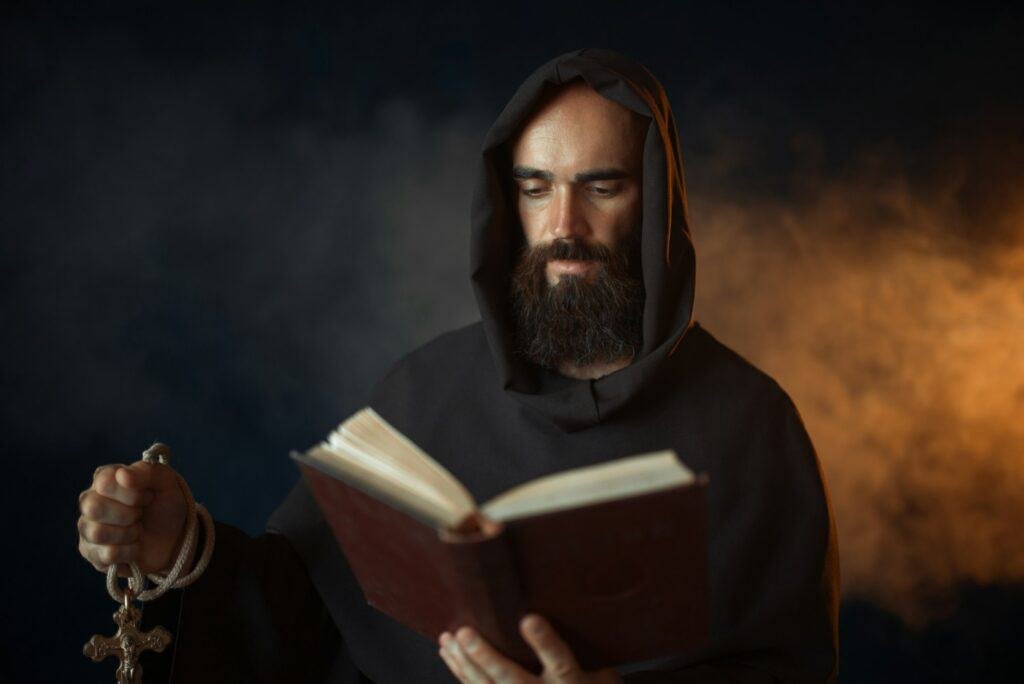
x=491, y=598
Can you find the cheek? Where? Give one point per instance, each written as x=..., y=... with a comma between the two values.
x=619, y=222
x=532, y=223
x=632, y=216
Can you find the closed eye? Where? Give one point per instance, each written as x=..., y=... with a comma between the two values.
x=596, y=190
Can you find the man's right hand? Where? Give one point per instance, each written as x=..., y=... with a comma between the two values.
x=132, y=513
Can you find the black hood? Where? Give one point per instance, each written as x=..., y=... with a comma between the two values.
x=666, y=246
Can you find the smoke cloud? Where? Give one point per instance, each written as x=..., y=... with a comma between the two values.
x=891, y=306
x=162, y=233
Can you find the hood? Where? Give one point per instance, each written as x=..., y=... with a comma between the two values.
x=667, y=253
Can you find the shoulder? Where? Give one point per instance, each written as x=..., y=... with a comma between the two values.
x=442, y=363
x=772, y=438
x=449, y=374
x=733, y=375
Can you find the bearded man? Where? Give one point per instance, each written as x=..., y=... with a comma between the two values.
x=584, y=271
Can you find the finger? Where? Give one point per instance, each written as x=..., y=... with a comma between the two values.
x=489, y=659
x=100, y=533
x=447, y=652
x=450, y=662
x=103, y=556
x=471, y=673
x=554, y=654
x=106, y=482
x=108, y=466
x=99, y=508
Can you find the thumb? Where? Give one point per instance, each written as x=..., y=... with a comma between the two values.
x=145, y=475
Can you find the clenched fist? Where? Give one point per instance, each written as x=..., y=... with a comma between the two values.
x=132, y=513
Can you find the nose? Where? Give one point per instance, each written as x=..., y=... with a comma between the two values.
x=568, y=220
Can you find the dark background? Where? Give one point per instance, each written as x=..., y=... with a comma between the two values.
x=221, y=225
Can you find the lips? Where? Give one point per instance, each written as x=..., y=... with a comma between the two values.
x=570, y=265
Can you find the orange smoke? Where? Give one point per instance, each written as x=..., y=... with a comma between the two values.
x=899, y=332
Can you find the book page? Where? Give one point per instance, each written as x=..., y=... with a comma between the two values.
x=618, y=479
x=366, y=450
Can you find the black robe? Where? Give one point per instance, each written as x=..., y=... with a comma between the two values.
x=285, y=606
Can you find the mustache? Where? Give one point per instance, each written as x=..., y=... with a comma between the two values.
x=572, y=249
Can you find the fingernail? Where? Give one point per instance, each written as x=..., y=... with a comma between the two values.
x=535, y=627
x=452, y=646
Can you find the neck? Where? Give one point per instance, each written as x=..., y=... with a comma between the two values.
x=594, y=370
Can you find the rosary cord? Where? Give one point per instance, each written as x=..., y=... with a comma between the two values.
x=173, y=579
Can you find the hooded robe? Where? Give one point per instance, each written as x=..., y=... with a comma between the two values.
x=286, y=607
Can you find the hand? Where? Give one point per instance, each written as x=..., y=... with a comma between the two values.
x=474, y=661
x=132, y=513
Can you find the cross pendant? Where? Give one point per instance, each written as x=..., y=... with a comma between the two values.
x=128, y=643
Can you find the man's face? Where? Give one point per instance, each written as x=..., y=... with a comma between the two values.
x=576, y=165
x=577, y=291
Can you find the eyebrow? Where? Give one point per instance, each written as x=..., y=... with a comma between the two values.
x=527, y=172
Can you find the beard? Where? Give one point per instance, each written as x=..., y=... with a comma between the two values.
x=583, y=319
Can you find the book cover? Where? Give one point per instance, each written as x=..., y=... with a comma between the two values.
x=621, y=580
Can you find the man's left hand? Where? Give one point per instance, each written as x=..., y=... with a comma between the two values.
x=474, y=661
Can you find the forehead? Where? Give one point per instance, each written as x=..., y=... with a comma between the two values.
x=580, y=128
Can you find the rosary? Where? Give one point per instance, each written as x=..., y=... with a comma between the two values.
x=129, y=641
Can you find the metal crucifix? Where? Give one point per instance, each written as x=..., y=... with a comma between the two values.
x=128, y=643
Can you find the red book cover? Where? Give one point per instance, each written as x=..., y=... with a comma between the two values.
x=621, y=580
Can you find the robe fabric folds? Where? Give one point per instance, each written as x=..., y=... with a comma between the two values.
x=285, y=606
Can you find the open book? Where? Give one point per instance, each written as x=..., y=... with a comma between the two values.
x=613, y=554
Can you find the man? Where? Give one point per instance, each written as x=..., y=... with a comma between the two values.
x=584, y=270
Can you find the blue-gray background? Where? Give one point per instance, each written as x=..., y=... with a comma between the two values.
x=221, y=224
